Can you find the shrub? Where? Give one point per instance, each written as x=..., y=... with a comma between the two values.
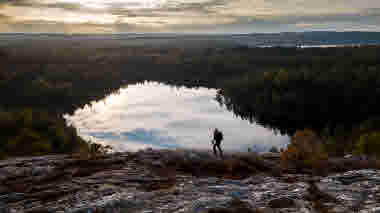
x=32, y=132
x=306, y=150
x=369, y=144
x=2, y=155
x=370, y=124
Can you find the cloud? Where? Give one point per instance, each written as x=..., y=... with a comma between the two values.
x=186, y=124
x=141, y=136
x=41, y=5
x=4, y=17
x=187, y=15
x=152, y=137
x=9, y=25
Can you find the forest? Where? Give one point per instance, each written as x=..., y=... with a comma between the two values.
x=332, y=91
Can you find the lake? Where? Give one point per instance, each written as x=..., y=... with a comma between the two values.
x=157, y=115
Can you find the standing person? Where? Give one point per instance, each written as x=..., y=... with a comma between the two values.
x=218, y=137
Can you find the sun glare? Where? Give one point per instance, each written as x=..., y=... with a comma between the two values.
x=123, y=4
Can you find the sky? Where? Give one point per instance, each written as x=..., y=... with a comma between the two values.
x=187, y=16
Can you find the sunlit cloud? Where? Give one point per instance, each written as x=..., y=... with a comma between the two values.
x=188, y=15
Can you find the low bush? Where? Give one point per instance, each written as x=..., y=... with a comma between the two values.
x=306, y=150
x=32, y=132
x=369, y=144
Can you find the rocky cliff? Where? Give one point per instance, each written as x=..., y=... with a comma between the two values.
x=146, y=182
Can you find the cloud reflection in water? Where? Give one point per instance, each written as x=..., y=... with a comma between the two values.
x=160, y=116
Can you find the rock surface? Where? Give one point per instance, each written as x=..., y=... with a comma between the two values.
x=128, y=182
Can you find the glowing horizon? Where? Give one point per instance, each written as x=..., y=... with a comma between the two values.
x=115, y=16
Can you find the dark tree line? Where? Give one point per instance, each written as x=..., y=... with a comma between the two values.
x=292, y=99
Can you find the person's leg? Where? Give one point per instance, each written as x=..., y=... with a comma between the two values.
x=214, y=148
x=220, y=151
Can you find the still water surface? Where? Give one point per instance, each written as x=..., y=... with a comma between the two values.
x=161, y=116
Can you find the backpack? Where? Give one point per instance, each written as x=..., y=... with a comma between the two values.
x=218, y=136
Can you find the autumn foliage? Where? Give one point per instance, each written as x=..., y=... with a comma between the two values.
x=306, y=150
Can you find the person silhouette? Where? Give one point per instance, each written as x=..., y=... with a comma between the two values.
x=218, y=137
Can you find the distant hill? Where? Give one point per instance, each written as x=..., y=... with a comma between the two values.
x=313, y=38
x=165, y=40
